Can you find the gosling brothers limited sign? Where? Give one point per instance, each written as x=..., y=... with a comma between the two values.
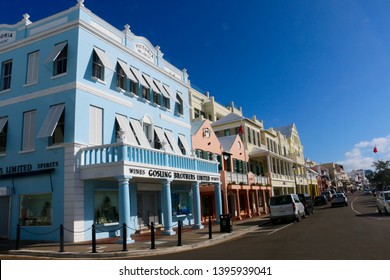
x=164, y=174
x=7, y=37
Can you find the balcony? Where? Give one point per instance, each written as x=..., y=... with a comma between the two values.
x=115, y=160
x=238, y=178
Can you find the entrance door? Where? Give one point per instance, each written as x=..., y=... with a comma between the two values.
x=148, y=208
x=4, y=216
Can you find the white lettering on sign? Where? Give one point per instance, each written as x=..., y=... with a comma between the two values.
x=183, y=176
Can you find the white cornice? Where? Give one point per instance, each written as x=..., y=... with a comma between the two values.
x=62, y=88
x=104, y=95
x=37, y=94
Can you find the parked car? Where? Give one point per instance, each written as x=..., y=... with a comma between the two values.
x=286, y=207
x=327, y=194
x=366, y=191
x=339, y=199
x=383, y=202
x=307, y=202
x=320, y=200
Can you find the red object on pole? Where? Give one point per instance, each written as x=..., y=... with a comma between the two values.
x=375, y=150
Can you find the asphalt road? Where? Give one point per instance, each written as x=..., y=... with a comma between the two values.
x=356, y=232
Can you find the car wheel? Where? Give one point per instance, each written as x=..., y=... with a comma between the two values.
x=346, y=203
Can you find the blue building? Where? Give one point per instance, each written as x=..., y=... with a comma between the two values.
x=94, y=130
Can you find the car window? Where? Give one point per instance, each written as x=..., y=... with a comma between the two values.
x=387, y=196
x=280, y=200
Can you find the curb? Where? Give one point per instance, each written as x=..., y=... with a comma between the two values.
x=133, y=253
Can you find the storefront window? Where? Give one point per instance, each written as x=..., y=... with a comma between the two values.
x=106, y=207
x=35, y=210
x=180, y=203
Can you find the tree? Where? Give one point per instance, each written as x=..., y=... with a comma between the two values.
x=381, y=176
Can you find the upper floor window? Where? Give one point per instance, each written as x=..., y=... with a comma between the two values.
x=99, y=62
x=61, y=62
x=166, y=102
x=6, y=73
x=180, y=106
x=28, y=142
x=53, y=126
x=97, y=67
x=32, y=67
x=3, y=134
x=134, y=87
x=146, y=93
x=59, y=58
x=120, y=77
x=95, y=125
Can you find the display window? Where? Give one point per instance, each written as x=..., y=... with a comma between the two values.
x=181, y=203
x=35, y=210
x=106, y=207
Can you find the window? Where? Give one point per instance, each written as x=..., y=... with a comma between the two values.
x=32, y=68
x=156, y=98
x=3, y=134
x=145, y=93
x=53, y=126
x=59, y=58
x=181, y=203
x=183, y=145
x=180, y=107
x=59, y=132
x=95, y=125
x=120, y=77
x=35, y=210
x=28, y=142
x=226, y=132
x=106, y=207
x=134, y=87
x=97, y=67
x=196, y=113
x=166, y=102
x=61, y=62
x=6, y=72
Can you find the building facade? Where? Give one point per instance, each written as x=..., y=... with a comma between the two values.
x=95, y=132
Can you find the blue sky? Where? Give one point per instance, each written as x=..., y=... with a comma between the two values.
x=323, y=65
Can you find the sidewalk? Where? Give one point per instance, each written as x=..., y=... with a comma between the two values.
x=113, y=247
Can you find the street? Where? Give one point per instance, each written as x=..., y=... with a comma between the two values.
x=342, y=233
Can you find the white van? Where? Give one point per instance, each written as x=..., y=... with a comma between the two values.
x=286, y=207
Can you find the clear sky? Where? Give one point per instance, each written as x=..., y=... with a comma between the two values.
x=323, y=65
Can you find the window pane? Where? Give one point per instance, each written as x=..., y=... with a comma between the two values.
x=106, y=207
x=6, y=73
x=97, y=67
x=60, y=63
x=180, y=203
x=35, y=210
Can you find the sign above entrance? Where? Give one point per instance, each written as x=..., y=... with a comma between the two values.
x=164, y=174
